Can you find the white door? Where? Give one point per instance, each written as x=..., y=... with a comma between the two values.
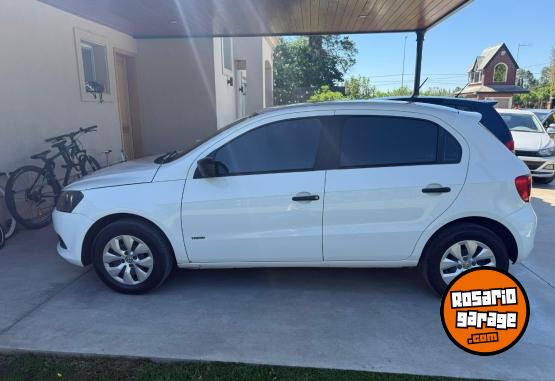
x=241, y=76
x=266, y=205
x=395, y=176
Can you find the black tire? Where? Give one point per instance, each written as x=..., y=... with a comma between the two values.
x=2, y=237
x=440, y=243
x=163, y=261
x=32, y=208
x=88, y=164
x=544, y=180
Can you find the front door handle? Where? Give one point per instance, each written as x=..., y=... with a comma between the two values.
x=309, y=197
x=436, y=190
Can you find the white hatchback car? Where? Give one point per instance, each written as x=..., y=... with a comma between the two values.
x=344, y=184
x=533, y=145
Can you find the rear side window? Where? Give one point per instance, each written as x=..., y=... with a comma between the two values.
x=290, y=145
x=376, y=141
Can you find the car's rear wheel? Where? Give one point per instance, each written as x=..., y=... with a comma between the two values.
x=459, y=248
x=131, y=256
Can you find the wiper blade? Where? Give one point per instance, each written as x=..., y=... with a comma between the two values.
x=165, y=158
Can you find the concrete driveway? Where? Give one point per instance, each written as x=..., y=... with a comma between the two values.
x=377, y=320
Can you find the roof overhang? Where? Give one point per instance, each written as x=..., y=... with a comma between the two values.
x=206, y=18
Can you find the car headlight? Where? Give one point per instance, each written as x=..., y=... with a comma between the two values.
x=549, y=151
x=68, y=200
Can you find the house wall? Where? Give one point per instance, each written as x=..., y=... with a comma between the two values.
x=40, y=92
x=176, y=91
x=268, y=45
x=511, y=69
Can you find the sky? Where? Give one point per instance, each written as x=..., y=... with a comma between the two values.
x=451, y=46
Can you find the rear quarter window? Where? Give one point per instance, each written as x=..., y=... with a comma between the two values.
x=375, y=141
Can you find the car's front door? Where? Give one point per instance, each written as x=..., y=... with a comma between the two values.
x=266, y=203
x=395, y=175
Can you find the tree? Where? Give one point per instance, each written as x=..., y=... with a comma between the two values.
x=539, y=90
x=307, y=63
x=525, y=78
x=326, y=94
x=359, y=88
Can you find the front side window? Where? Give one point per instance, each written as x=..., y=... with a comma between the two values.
x=377, y=141
x=285, y=146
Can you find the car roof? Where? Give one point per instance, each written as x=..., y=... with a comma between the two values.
x=372, y=104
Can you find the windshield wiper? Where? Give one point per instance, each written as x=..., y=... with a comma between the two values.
x=166, y=158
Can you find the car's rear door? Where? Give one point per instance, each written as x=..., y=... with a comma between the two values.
x=395, y=175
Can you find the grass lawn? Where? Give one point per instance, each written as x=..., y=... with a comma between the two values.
x=30, y=367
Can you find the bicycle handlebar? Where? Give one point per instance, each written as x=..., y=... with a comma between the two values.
x=72, y=135
x=88, y=129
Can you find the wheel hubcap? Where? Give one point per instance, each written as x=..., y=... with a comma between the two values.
x=463, y=256
x=127, y=259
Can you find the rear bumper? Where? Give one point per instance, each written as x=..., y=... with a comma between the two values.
x=540, y=166
x=522, y=225
x=71, y=229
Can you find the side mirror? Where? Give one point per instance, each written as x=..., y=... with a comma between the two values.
x=208, y=167
x=551, y=129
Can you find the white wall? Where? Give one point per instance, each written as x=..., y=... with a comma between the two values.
x=268, y=45
x=39, y=82
x=176, y=91
x=226, y=111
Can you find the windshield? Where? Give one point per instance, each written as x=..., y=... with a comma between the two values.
x=523, y=122
x=541, y=114
x=174, y=155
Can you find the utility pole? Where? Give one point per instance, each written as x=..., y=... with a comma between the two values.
x=520, y=45
x=403, y=71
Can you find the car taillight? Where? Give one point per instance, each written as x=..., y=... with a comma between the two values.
x=510, y=145
x=523, y=186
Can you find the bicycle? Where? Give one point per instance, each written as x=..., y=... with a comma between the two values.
x=32, y=192
x=7, y=222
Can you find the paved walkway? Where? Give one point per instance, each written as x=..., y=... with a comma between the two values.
x=378, y=320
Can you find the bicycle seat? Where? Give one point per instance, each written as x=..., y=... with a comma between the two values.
x=41, y=155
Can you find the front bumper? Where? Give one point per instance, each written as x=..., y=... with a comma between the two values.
x=540, y=166
x=71, y=229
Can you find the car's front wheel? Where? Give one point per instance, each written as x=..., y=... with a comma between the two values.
x=458, y=248
x=131, y=256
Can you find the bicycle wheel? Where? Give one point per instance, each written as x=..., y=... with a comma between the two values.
x=31, y=195
x=88, y=164
x=7, y=222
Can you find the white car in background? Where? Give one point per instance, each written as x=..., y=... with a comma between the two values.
x=341, y=184
x=533, y=145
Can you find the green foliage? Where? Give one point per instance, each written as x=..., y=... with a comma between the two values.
x=540, y=90
x=359, y=88
x=45, y=368
x=310, y=62
x=326, y=94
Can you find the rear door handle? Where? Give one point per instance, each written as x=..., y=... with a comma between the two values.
x=310, y=197
x=436, y=190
